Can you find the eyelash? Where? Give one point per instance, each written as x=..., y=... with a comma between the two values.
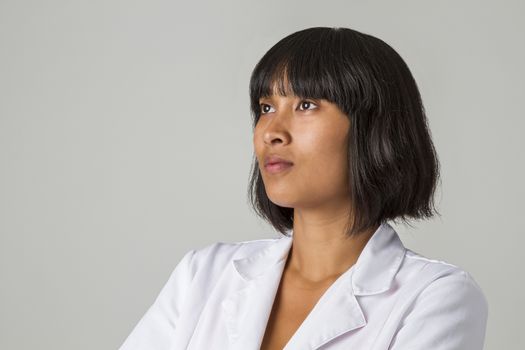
x=300, y=104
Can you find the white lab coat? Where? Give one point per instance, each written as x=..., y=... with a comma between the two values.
x=220, y=297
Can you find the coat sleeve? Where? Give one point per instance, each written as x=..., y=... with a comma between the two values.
x=156, y=327
x=449, y=314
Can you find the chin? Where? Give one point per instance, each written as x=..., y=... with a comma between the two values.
x=281, y=201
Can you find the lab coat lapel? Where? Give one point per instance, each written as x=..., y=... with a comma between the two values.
x=336, y=312
x=246, y=310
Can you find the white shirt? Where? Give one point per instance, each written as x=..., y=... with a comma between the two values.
x=220, y=297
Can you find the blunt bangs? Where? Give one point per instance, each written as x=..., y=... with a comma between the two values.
x=334, y=64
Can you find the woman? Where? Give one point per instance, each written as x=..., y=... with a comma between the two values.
x=342, y=146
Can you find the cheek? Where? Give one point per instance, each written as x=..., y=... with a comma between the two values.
x=325, y=156
x=326, y=146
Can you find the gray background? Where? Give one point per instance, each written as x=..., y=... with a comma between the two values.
x=125, y=141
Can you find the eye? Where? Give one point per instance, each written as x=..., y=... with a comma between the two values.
x=265, y=108
x=306, y=104
x=303, y=105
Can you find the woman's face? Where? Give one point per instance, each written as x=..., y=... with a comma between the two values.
x=312, y=134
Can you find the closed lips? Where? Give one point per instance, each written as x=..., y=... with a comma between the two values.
x=276, y=159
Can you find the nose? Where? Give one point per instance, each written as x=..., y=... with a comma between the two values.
x=277, y=130
x=272, y=137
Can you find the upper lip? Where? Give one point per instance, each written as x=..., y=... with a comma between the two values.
x=273, y=158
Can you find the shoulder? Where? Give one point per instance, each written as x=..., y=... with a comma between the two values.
x=228, y=250
x=430, y=270
x=201, y=267
x=434, y=274
x=215, y=257
x=441, y=305
x=439, y=287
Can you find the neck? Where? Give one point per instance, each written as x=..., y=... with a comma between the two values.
x=321, y=250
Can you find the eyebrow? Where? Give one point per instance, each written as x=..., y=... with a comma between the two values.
x=271, y=97
x=267, y=97
x=294, y=97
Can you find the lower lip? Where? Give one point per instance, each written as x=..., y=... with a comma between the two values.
x=277, y=167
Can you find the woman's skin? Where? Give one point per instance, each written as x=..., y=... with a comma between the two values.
x=313, y=135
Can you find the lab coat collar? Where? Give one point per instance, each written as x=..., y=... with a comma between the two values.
x=374, y=270
x=248, y=307
x=379, y=262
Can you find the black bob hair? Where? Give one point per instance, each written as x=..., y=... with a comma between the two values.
x=393, y=165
